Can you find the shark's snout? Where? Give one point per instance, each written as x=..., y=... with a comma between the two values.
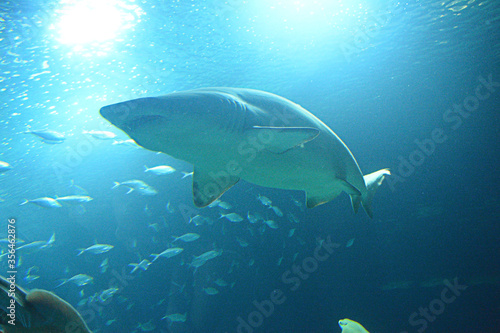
x=116, y=113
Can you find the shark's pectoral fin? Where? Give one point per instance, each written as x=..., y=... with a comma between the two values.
x=317, y=198
x=280, y=139
x=209, y=185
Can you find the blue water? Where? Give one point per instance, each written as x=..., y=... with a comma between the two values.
x=384, y=76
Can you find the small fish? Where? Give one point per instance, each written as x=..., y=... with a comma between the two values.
x=279, y=261
x=234, y=265
x=51, y=240
x=176, y=317
x=297, y=203
x=350, y=242
x=30, y=276
x=129, y=142
x=44, y=202
x=96, y=249
x=210, y=291
x=277, y=211
x=252, y=218
x=204, y=257
x=242, y=242
x=214, y=203
x=4, y=166
x=147, y=191
x=131, y=184
x=272, y=224
x=292, y=218
x=224, y=205
x=146, y=327
x=233, y=217
x=47, y=136
x=221, y=283
x=291, y=232
x=83, y=302
x=160, y=170
x=137, y=185
x=170, y=208
x=104, y=265
x=186, y=174
x=210, y=254
x=74, y=199
x=197, y=262
x=168, y=253
x=264, y=200
x=101, y=135
x=107, y=294
x=201, y=220
x=189, y=237
x=155, y=226
x=144, y=264
x=111, y=321
x=33, y=246
x=79, y=280
x=77, y=190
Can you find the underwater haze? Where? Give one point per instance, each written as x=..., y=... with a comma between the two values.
x=111, y=227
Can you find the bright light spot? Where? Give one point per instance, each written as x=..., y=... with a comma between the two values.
x=312, y=17
x=88, y=21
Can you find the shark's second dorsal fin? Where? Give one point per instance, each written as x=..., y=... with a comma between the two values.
x=280, y=139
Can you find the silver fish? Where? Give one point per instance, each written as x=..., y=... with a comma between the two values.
x=144, y=264
x=168, y=253
x=101, y=135
x=47, y=136
x=4, y=166
x=79, y=280
x=74, y=199
x=233, y=217
x=96, y=249
x=44, y=202
x=160, y=170
x=189, y=237
x=176, y=317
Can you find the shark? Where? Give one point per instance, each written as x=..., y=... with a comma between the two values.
x=230, y=134
x=36, y=311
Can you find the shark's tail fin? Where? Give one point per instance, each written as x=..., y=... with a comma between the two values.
x=372, y=181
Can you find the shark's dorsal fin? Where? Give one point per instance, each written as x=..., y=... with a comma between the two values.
x=280, y=139
x=209, y=185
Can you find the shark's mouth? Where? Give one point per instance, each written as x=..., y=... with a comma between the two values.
x=141, y=121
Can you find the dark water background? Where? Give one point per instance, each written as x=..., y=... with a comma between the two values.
x=381, y=75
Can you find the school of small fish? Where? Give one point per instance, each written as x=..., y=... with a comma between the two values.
x=264, y=217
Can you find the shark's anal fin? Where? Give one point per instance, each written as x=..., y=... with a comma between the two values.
x=317, y=198
x=280, y=139
x=209, y=185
